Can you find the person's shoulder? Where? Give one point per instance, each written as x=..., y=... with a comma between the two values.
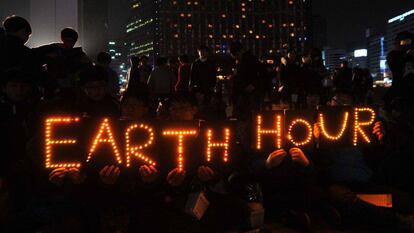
x=196, y=61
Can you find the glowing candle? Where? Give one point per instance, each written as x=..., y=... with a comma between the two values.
x=341, y=131
x=308, y=137
x=213, y=145
x=105, y=127
x=180, y=134
x=358, y=124
x=49, y=141
x=136, y=150
x=277, y=131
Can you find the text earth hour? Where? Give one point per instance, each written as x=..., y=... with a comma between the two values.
x=217, y=140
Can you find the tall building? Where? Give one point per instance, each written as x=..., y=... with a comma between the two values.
x=88, y=17
x=319, y=31
x=333, y=57
x=403, y=22
x=175, y=27
x=116, y=48
x=376, y=60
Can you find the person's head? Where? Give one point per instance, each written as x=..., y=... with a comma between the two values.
x=182, y=107
x=291, y=55
x=203, y=52
x=341, y=98
x=173, y=62
x=404, y=40
x=134, y=61
x=161, y=61
x=134, y=106
x=236, y=49
x=315, y=54
x=313, y=100
x=344, y=64
x=143, y=60
x=306, y=60
x=104, y=59
x=18, y=27
x=183, y=59
x=17, y=85
x=93, y=82
x=69, y=37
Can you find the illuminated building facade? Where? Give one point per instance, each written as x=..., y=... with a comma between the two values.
x=170, y=28
x=333, y=57
x=116, y=48
x=376, y=60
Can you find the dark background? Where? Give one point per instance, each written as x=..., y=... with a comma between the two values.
x=347, y=20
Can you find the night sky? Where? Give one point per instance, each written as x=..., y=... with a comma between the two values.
x=347, y=20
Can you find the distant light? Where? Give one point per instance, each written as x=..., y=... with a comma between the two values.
x=111, y=42
x=360, y=53
x=401, y=17
x=383, y=65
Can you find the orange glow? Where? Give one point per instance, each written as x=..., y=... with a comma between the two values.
x=341, y=132
x=224, y=144
x=136, y=150
x=49, y=141
x=180, y=148
x=308, y=137
x=277, y=131
x=358, y=124
x=105, y=126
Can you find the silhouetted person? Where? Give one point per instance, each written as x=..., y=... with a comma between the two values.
x=161, y=81
x=314, y=71
x=395, y=59
x=145, y=69
x=104, y=60
x=246, y=79
x=17, y=104
x=203, y=72
x=343, y=79
x=68, y=59
x=184, y=71
x=13, y=52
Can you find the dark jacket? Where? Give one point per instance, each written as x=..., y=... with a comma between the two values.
x=203, y=75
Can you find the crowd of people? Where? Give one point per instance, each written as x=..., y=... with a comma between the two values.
x=293, y=186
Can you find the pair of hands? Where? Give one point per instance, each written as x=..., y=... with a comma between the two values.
x=149, y=174
x=277, y=157
x=57, y=176
x=176, y=177
x=110, y=174
x=378, y=130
